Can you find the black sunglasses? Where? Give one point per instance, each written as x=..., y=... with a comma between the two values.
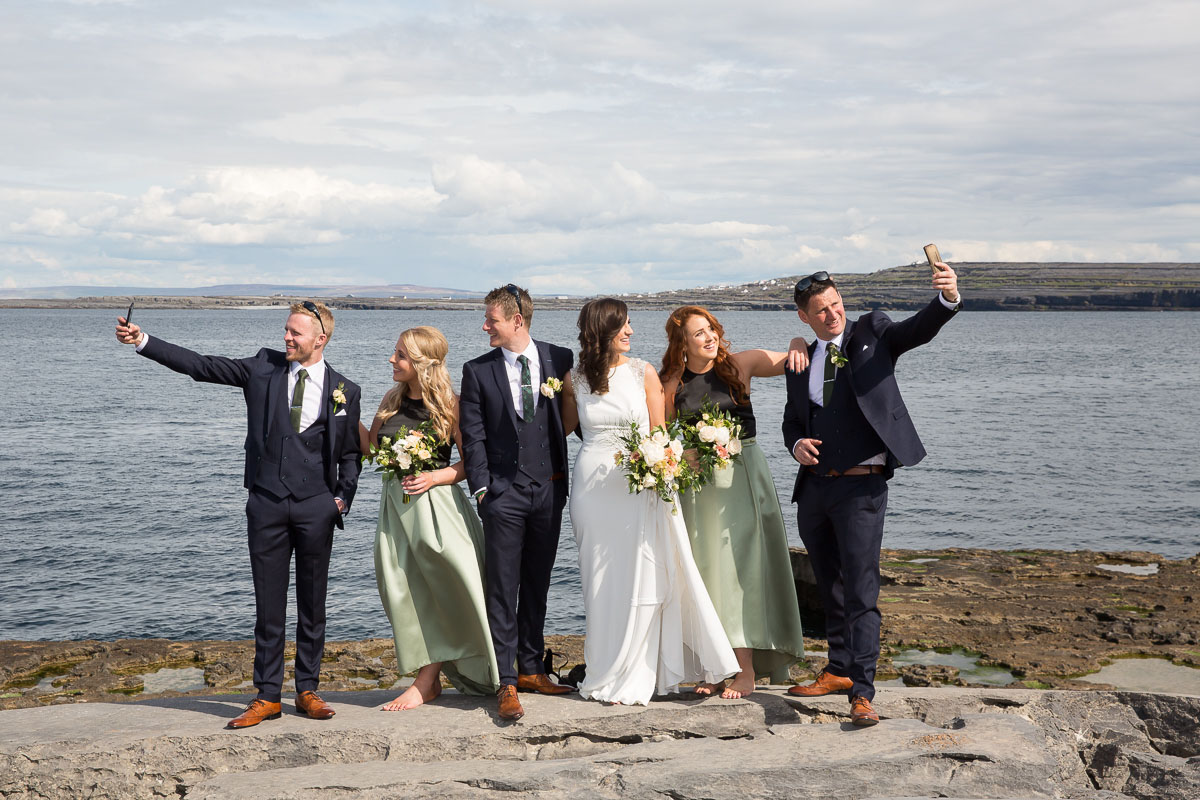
x=515, y=291
x=816, y=277
x=312, y=309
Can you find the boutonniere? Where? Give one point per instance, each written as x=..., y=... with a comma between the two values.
x=551, y=387
x=836, y=356
x=339, y=396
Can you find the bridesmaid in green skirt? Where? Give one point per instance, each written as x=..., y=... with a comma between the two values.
x=735, y=523
x=429, y=542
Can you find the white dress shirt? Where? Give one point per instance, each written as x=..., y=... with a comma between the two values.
x=514, y=373
x=314, y=390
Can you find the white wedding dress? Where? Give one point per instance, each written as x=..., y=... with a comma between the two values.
x=650, y=623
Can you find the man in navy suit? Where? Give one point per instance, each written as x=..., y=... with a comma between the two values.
x=847, y=426
x=515, y=454
x=302, y=466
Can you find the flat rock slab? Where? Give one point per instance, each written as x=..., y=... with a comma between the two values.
x=965, y=743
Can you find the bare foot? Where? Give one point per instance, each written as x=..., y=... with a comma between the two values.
x=742, y=685
x=706, y=689
x=414, y=696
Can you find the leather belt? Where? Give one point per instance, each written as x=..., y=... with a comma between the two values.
x=861, y=469
x=558, y=476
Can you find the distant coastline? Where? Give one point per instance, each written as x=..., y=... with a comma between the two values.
x=997, y=286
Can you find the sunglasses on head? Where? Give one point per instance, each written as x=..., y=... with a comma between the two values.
x=311, y=308
x=816, y=277
x=515, y=291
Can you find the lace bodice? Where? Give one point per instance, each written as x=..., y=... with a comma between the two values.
x=602, y=416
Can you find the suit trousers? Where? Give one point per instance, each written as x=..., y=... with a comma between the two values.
x=841, y=525
x=277, y=527
x=520, y=532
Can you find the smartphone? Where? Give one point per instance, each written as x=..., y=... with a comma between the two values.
x=931, y=252
x=129, y=314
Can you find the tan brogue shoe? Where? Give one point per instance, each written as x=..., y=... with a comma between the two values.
x=861, y=713
x=510, y=706
x=826, y=683
x=310, y=704
x=256, y=712
x=542, y=684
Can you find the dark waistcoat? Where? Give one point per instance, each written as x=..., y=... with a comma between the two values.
x=536, y=460
x=847, y=438
x=293, y=463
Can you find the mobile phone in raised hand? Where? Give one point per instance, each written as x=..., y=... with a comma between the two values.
x=931, y=252
x=129, y=314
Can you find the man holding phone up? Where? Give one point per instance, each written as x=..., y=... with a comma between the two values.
x=302, y=466
x=847, y=426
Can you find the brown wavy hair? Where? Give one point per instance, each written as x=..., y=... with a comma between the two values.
x=673, y=359
x=599, y=322
x=426, y=348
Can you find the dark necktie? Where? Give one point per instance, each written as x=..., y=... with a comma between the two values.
x=830, y=373
x=527, y=409
x=298, y=399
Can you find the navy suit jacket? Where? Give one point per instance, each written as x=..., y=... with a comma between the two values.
x=872, y=343
x=263, y=381
x=488, y=419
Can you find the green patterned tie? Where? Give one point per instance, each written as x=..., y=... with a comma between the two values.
x=830, y=373
x=527, y=408
x=298, y=399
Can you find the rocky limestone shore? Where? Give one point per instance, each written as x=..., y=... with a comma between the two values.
x=1046, y=617
x=949, y=743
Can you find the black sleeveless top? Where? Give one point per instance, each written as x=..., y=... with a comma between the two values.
x=411, y=414
x=694, y=389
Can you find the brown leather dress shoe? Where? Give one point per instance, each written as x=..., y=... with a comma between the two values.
x=310, y=704
x=256, y=712
x=826, y=683
x=510, y=706
x=861, y=713
x=542, y=684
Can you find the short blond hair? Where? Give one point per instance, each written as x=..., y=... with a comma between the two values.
x=323, y=315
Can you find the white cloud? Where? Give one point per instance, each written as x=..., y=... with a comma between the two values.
x=580, y=143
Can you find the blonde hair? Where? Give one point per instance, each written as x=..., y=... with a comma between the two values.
x=511, y=300
x=323, y=316
x=426, y=349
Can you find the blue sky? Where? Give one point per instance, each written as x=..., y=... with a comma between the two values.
x=593, y=147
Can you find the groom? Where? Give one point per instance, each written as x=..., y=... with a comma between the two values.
x=516, y=460
x=302, y=465
x=847, y=426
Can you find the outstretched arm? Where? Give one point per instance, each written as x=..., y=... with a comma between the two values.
x=207, y=369
x=920, y=328
x=770, y=363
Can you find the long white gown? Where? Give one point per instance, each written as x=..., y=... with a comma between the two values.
x=650, y=623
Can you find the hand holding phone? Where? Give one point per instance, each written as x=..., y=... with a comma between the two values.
x=931, y=252
x=129, y=314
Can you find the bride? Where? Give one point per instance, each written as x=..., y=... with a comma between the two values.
x=650, y=623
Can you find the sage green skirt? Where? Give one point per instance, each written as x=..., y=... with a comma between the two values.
x=740, y=546
x=429, y=569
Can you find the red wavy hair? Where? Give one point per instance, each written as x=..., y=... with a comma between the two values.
x=673, y=359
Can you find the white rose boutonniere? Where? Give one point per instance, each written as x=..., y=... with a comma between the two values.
x=339, y=396
x=551, y=387
x=836, y=356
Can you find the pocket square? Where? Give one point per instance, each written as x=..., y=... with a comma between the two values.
x=864, y=347
x=341, y=413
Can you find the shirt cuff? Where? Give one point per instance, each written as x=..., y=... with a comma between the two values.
x=479, y=495
x=142, y=343
x=947, y=303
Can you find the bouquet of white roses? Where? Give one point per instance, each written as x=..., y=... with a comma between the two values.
x=409, y=452
x=654, y=461
x=715, y=435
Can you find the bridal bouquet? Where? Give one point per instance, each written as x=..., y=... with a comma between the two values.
x=654, y=461
x=409, y=452
x=715, y=435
